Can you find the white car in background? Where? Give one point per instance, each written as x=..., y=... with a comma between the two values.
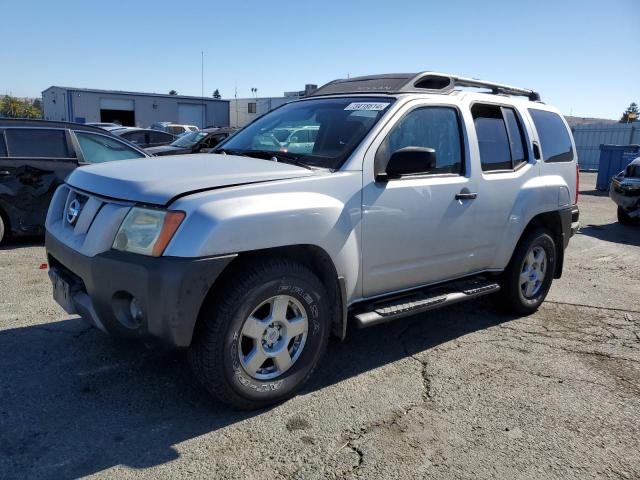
x=174, y=128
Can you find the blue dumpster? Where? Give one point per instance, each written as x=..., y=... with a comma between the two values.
x=614, y=159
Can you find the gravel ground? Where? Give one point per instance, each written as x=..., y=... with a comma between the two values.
x=460, y=393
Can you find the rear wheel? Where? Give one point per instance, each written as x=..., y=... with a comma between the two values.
x=527, y=279
x=261, y=338
x=623, y=217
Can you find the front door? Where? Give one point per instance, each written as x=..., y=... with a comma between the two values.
x=418, y=229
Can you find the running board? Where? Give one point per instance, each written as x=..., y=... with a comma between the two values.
x=431, y=299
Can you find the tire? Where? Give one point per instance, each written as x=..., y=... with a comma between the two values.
x=221, y=353
x=623, y=217
x=2, y=229
x=525, y=298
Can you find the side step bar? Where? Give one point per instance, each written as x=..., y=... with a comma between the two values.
x=415, y=303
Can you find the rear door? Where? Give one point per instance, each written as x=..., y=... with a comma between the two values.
x=506, y=163
x=33, y=162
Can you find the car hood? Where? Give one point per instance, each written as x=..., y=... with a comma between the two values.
x=166, y=150
x=158, y=180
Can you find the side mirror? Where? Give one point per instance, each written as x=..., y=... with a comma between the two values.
x=409, y=161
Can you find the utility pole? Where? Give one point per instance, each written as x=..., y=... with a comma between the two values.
x=204, y=107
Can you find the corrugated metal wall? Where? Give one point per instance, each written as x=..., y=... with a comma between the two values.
x=588, y=139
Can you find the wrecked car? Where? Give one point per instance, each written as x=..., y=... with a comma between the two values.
x=35, y=158
x=625, y=192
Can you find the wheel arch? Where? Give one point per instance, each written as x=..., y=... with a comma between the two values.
x=313, y=257
x=551, y=221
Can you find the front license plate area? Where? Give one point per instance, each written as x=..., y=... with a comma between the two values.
x=62, y=292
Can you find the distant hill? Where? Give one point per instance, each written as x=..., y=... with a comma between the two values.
x=573, y=121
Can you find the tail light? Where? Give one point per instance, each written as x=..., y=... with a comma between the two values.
x=577, y=181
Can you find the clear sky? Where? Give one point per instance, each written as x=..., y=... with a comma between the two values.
x=582, y=55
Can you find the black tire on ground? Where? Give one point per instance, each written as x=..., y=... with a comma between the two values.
x=511, y=297
x=2, y=229
x=623, y=217
x=218, y=341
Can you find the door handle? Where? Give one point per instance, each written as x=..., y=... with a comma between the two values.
x=4, y=173
x=466, y=195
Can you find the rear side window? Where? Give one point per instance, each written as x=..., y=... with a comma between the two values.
x=500, y=137
x=37, y=143
x=137, y=138
x=555, y=142
x=160, y=137
x=3, y=147
x=431, y=127
x=101, y=148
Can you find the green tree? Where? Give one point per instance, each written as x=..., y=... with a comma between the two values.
x=172, y=92
x=14, y=108
x=216, y=94
x=631, y=114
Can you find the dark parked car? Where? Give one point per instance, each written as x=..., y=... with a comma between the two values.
x=144, y=137
x=36, y=156
x=194, y=142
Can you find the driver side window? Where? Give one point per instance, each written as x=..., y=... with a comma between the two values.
x=431, y=127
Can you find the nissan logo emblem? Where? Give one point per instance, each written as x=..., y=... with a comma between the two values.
x=73, y=211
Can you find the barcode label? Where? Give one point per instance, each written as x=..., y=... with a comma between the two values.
x=376, y=106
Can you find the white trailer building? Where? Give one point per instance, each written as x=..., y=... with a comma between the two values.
x=85, y=105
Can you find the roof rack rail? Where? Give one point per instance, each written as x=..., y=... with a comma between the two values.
x=424, y=82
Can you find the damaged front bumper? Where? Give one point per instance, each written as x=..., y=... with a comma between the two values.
x=132, y=295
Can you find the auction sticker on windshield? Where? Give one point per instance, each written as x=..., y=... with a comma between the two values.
x=367, y=106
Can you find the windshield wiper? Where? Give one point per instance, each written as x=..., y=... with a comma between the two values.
x=284, y=157
x=226, y=151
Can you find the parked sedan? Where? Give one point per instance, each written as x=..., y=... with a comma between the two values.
x=36, y=156
x=193, y=142
x=625, y=192
x=144, y=137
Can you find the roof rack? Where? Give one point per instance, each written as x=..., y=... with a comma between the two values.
x=424, y=82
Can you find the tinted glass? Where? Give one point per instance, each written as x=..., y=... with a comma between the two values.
x=160, y=137
x=100, y=148
x=3, y=147
x=37, y=143
x=555, y=142
x=189, y=139
x=493, y=141
x=340, y=124
x=137, y=138
x=431, y=127
x=516, y=140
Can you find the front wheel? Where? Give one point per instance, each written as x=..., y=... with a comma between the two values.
x=262, y=336
x=527, y=279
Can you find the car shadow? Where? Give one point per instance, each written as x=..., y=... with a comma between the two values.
x=22, y=242
x=595, y=193
x=614, y=232
x=73, y=402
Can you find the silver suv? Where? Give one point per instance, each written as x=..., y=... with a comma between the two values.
x=415, y=194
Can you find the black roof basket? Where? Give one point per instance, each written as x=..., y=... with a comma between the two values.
x=424, y=82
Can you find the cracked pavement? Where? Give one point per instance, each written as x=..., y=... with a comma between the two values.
x=459, y=393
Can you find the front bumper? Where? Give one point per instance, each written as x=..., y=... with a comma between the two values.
x=628, y=202
x=168, y=290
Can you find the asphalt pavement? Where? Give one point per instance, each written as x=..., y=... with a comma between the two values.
x=460, y=393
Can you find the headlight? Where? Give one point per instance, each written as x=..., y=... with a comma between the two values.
x=147, y=231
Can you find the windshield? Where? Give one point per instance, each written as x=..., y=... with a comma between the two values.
x=320, y=132
x=188, y=139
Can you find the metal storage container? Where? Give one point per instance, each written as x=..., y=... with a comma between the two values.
x=614, y=159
